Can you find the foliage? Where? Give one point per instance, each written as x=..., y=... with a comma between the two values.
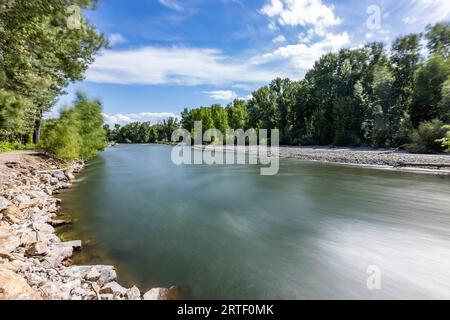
x=445, y=142
x=137, y=132
x=77, y=134
x=426, y=138
x=6, y=146
x=40, y=55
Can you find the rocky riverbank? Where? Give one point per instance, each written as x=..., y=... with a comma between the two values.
x=34, y=263
x=382, y=158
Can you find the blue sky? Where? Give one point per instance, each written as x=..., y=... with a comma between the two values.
x=166, y=55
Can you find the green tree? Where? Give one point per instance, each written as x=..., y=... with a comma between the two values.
x=428, y=88
x=405, y=61
x=40, y=55
x=237, y=114
x=438, y=38
x=78, y=133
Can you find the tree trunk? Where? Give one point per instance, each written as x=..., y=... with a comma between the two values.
x=37, y=129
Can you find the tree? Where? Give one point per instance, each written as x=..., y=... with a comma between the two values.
x=444, y=104
x=428, y=88
x=93, y=136
x=220, y=118
x=40, y=55
x=237, y=114
x=405, y=61
x=78, y=133
x=61, y=138
x=12, y=117
x=438, y=37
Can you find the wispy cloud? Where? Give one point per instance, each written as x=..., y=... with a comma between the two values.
x=174, y=65
x=123, y=119
x=279, y=39
x=226, y=95
x=425, y=11
x=115, y=39
x=171, y=4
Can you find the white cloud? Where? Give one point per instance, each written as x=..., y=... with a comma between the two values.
x=116, y=38
x=302, y=13
x=302, y=56
x=197, y=66
x=171, y=4
x=123, y=119
x=279, y=39
x=246, y=98
x=226, y=95
x=175, y=65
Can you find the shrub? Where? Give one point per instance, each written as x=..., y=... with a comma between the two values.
x=6, y=146
x=445, y=142
x=426, y=138
x=77, y=134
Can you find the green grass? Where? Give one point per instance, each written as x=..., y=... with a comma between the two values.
x=12, y=146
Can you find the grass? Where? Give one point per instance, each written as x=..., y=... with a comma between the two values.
x=6, y=146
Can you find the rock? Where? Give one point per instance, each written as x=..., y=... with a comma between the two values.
x=173, y=293
x=29, y=203
x=76, y=244
x=60, y=176
x=28, y=238
x=107, y=297
x=15, y=287
x=69, y=175
x=56, y=255
x=51, y=291
x=43, y=227
x=12, y=214
x=56, y=223
x=133, y=294
x=38, y=195
x=157, y=294
x=83, y=293
x=107, y=273
x=46, y=178
x=22, y=198
x=37, y=249
x=93, y=275
x=113, y=288
x=4, y=203
x=9, y=241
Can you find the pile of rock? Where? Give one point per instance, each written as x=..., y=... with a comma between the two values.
x=34, y=262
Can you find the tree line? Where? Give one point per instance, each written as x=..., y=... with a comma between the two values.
x=142, y=132
x=357, y=97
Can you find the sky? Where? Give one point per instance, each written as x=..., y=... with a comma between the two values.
x=167, y=55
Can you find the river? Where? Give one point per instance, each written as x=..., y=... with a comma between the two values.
x=225, y=232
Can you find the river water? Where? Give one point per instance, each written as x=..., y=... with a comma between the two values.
x=314, y=231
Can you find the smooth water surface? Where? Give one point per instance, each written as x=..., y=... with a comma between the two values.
x=309, y=232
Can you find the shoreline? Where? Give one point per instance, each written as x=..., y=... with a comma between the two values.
x=381, y=159
x=35, y=264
